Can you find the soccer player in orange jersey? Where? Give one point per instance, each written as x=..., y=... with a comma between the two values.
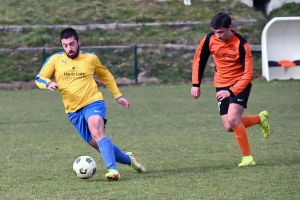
x=233, y=80
x=74, y=71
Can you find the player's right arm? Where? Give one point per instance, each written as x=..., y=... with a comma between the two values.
x=42, y=79
x=200, y=59
x=195, y=92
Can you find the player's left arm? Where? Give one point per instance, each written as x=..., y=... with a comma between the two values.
x=246, y=78
x=107, y=78
x=124, y=102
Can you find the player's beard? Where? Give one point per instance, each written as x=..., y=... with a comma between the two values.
x=74, y=54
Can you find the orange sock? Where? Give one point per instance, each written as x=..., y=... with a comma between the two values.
x=242, y=139
x=250, y=120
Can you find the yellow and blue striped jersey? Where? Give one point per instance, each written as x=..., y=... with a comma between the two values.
x=75, y=79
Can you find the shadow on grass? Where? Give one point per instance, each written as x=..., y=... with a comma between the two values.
x=279, y=163
x=200, y=169
x=187, y=171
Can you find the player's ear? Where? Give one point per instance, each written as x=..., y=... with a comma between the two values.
x=79, y=41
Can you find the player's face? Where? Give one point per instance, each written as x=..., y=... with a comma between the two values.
x=223, y=34
x=71, y=47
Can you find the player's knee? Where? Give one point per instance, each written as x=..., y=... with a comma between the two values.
x=93, y=144
x=233, y=123
x=98, y=136
x=228, y=128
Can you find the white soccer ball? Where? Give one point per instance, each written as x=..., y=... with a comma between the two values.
x=85, y=167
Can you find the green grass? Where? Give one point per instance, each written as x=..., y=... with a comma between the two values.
x=180, y=140
x=113, y=11
x=47, y=37
x=168, y=66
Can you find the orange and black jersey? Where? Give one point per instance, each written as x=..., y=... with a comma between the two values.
x=233, y=60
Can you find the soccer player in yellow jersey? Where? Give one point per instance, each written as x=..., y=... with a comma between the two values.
x=74, y=71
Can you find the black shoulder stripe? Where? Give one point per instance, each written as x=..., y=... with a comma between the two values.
x=205, y=52
x=241, y=38
x=206, y=43
x=242, y=51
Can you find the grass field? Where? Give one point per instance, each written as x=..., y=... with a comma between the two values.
x=153, y=62
x=181, y=141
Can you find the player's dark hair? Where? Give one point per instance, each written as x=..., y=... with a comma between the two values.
x=67, y=33
x=220, y=20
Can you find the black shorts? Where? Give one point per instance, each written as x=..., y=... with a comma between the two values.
x=241, y=99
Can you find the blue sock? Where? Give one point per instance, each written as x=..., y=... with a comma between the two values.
x=107, y=152
x=121, y=157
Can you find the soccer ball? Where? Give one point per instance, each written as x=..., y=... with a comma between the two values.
x=84, y=167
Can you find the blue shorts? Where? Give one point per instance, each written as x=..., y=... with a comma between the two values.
x=80, y=117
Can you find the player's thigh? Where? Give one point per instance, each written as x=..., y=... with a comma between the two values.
x=223, y=110
x=235, y=113
x=97, y=108
x=95, y=114
x=223, y=105
x=242, y=97
x=96, y=124
x=78, y=120
x=237, y=105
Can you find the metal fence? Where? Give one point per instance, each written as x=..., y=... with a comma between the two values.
x=167, y=63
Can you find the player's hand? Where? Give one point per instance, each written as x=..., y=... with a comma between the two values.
x=124, y=102
x=195, y=92
x=222, y=94
x=52, y=86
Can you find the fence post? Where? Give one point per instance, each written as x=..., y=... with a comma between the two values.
x=136, y=69
x=44, y=55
